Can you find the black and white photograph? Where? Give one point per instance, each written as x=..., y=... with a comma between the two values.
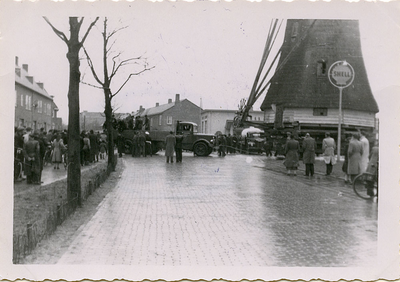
x=200, y=140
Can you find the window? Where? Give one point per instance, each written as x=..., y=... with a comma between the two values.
x=48, y=109
x=169, y=120
x=44, y=108
x=40, y=106
x=22, y=100
x=321, y=68
x=320, y=111
x=151, y=122
x=16, y=98
x=160, y=120
x=28, y=101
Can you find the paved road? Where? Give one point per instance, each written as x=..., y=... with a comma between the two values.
x=230, y=211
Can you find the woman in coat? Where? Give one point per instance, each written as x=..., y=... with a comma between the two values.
x=329, y=146
x=309, y=147
x=292, y=156
x=170, y=142
x=58, y=147
x=355, y=153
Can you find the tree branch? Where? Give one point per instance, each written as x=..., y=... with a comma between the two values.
x=88, y=30
x=95, y=86
x=56, y=31
x=90, y=63
x=129, y=77
x=123, y=63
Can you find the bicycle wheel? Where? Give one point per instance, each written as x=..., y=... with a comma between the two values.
x=360, y=185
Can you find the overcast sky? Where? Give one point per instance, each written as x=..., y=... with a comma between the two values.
x=203, y=50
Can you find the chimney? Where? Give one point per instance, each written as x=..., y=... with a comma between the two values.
x=30, y=78
x=157, y=104
x=169, y=101
x=177, y=98
x=40, y=84
x=25, y=67
x=140, y=108
x=16, y=60
x=18, y=71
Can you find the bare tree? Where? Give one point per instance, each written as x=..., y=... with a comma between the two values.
x=108, y=76
x=74, y=46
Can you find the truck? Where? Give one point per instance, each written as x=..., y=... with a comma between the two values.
x=252, y=140
x=199, y=143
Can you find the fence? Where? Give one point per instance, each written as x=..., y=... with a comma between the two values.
x=25, y=240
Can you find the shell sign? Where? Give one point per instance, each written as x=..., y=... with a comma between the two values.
x=341, y=74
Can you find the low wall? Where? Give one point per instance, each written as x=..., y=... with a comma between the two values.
x=38, y=212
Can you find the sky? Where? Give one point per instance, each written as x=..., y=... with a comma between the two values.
x=204, y=51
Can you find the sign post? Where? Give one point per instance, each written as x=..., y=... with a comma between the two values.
x=341, y=75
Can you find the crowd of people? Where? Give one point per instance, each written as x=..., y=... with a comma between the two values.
x=92, y=147
x=358, y=156
x=34, y=148
x=30, y=148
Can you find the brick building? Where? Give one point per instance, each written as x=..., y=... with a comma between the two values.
x=164, y=117
x=34, y=107
x=213, y=120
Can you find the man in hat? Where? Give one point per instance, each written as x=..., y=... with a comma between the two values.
x=309, y=147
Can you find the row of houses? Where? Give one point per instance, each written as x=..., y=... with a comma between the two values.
x=163, y=117
x=34, y=107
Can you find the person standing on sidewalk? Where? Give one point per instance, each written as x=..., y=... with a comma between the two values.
x=365, y=155
x=292, y=155
x=355, y=155
x=178, y=147
x=309, y=147
x=58, y=147
x=170, y=142
x=329, y=146
x=32, y=160
x=346, y=159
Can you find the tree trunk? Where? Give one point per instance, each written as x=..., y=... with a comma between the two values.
x=110, y=129
x=74, y=167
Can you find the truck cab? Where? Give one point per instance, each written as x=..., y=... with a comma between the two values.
x=201, y=144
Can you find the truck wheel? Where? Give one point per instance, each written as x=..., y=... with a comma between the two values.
x=201, y=149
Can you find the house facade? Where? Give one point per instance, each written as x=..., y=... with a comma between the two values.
x=164, y=117
x=214, y=120
x=34, y=107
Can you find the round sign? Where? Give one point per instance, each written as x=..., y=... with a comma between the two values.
x=341, y=74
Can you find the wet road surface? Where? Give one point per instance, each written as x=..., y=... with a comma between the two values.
x=229, y=211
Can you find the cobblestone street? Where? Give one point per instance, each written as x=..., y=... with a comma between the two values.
x=228, y=211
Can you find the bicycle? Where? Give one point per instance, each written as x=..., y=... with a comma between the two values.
x=48, y=155
x=365, y=186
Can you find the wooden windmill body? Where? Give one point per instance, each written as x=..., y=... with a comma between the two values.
x=300, y=95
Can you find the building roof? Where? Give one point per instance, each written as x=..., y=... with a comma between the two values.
x=226, y=111
x=23, y=78
x=297, y=84
x=162, y=108
x=157, y=110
